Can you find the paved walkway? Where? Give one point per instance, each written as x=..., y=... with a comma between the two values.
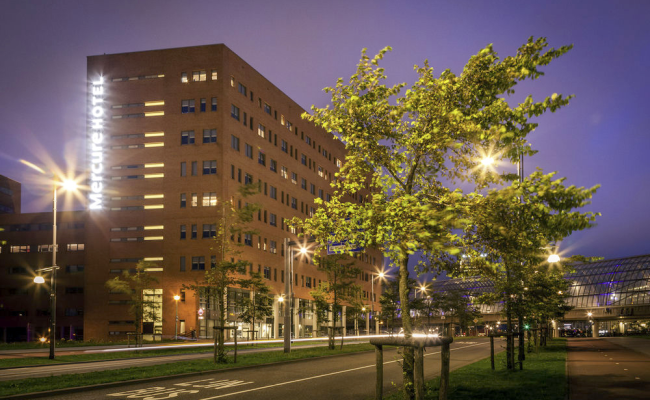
x=603, y=369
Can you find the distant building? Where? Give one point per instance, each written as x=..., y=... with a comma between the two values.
x=10, y=192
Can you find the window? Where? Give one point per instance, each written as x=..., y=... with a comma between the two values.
x=195, y=168
x=273, y=219
x=261, y=130
x=213, y=107
x=248, y=239
x=194, y=231
x=303, y=159
x=274, y=165
x=202, y=105
x=182, y=263
x=261, y=158
x=234, y=142
x=187, y=106
x=245, y=118
x=183, y=168
x=75, y=247
x=273, y=193
x=289, y=125
x=198, y=263
x=267, y=273
x=234, y=112
x=337, y=162
x=209, y=230
x=20, y=249
x=320, y=193
x=183, y=200
x=71, y=269
x=308, y=140
x=303, y=183
x=195, y=200
x=274, y=247
x=198, y=76
x=294, y=178
x=187, y=137
x=183, y=232
x=267, y=108
x=209, y=199
x=320, y=171
x=232, y=81
x=282, y=119
x=209, y=136
x=214, y=75
x=248, y=179
x=283, y=146
x=294, y=203
x=210, y=167
x=242, y=89
x=312, y=189
x=283, y=172
x=183, y=77
x=308, y=281
x=249, y=151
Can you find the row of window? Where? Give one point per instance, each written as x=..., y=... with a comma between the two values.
x=189, y=105
x=209, y=136
x=209, y=199
x=199, y=76
x=45, y=226
x=70, y=269
x=44, y=248
x=209, y=168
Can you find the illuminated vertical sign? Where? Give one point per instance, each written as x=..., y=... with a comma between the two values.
x=96, y=139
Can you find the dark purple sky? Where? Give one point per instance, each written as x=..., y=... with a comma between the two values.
x=602, y=137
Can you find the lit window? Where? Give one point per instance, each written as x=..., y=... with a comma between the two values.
x=320, y=171
x=232, y=81
x=210, y=167
x=282, y=119
x=274, y=247
x=20, y=249
x=283, y=172
x=209, y=199
x=214, y=75
x=75, y=247
x=187, y=137
x=195, y=200
x=198, y=76
x=261, y=130
x=294, y=178
x=183, y=77
x=209, y=136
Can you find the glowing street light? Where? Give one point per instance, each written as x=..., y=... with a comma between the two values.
x=372, y=298
x=553, y=258
x=176, y=298
x=288, y=286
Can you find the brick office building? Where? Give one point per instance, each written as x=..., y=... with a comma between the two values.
x=171, y=133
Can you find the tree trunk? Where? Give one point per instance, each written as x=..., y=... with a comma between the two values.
x=408, y=352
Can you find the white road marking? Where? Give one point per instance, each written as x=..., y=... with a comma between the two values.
x=321, y=376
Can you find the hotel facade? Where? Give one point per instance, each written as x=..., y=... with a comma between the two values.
x=172, y=134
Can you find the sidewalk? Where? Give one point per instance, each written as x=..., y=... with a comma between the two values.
x=603, y=370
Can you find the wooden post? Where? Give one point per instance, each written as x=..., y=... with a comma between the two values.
x=418, y=373
x=444, y=370
x=379, y=361
x=492, y=351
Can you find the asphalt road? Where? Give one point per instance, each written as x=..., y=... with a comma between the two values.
x=341, y=377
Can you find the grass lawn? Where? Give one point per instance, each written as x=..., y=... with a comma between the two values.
x=32, y=385
x=543, y=378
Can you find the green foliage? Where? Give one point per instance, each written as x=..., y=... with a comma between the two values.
x=404, y=146
x=232, y=220
x=339, y=288
x=458, y=307
x=260, y=304
x=133, y=285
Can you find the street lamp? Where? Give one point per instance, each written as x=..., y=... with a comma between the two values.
x=372, y=300
x=288, y=287
x=69, y=185
x=177, y=297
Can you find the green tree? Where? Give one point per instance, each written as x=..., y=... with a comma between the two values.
x=134, y=285
x=260, y=304
x=339, y=288
x=232, y=224
x=389, y=301
x=458, y=308
x=403, y=148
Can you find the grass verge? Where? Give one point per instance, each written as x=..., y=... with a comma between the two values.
x=32, y=385
x=543, y=378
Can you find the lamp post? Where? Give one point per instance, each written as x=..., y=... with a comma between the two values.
x=288, y=289
x=372, y=300
x=177, y=297
x=69, y=185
